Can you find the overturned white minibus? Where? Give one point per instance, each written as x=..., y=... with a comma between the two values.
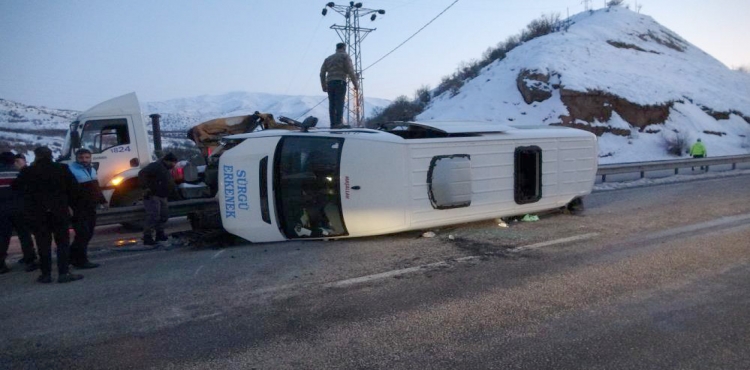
x=277, y=185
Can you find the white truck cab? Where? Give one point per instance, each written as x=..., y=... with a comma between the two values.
x=279, y=185
x=116, y=135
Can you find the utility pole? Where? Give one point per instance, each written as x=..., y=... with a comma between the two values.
x=586, y=4
x=352, y=35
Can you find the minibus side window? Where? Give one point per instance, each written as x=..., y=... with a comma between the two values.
x=528, y=174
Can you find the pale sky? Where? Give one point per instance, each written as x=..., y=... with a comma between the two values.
x=76, y=53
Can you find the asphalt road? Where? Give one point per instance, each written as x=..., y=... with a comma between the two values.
x=645, y=278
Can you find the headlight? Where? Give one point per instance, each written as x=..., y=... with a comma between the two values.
x=117, y=180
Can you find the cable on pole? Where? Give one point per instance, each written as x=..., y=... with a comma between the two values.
x=412, y=36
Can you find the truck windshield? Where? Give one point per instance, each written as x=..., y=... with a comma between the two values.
x=306, y=186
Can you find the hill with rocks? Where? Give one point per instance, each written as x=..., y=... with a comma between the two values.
x=644, y=90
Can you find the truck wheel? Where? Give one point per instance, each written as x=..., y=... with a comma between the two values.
x=132, y=198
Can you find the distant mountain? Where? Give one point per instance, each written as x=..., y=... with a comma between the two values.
x=180, y=114
x=23, y=127
x=14, y=115
x=619, y=74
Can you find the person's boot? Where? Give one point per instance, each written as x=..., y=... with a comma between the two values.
x=44, y=279
x=4, y=268
x=161, y=237
x=66, y=278
x=31, y=266
x=148, y=240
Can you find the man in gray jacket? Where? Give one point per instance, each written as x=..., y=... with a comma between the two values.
x=333, y=73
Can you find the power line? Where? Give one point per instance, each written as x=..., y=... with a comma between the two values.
x=309, y=110
x=410, y=37
x=301, y=60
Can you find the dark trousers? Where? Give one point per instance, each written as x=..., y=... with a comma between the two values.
x=336, y=98
x=697, y=156
x=157, y=214
x=84, y=222
x=45, y=228
x=8, y=222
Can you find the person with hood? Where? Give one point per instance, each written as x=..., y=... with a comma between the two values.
x=157, y=183
x=48, y=189
x=333, y=73
x=698, y=150
x=88, y=198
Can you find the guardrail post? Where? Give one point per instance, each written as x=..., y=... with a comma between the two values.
x=643, y=174
x=604, y=178
x=734, y=166
x=676, y=170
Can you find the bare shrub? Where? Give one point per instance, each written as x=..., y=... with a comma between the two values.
x=612, y=3
x=675, y=142
x=423, y=96
x=544, y=25
x=402, y=109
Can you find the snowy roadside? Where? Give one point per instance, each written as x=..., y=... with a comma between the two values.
x=667, y=180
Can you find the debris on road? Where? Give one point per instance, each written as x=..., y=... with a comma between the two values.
x=530, y=218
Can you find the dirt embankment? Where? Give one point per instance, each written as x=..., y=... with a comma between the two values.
x=588, y=107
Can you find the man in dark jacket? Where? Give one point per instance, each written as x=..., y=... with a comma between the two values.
x=84, y=206
x=47, y=189
x=7, y=206
x=22, y=229
x=157, y=183
x=11, y=215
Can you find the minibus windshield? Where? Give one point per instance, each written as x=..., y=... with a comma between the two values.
x=306, y=187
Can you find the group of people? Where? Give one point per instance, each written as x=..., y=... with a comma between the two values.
x=40, y=201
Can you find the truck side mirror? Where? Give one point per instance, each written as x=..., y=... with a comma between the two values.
x=75, y=139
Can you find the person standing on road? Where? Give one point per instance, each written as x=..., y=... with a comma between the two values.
x=157, y=183
x=698, y=150
x=48, y=189
x=11, y=215
x=333, y=73
x=7, y=206
x=88, y=198
x=22, y=230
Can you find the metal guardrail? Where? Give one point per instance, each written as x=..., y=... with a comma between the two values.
x=642, y=167
x=120, y=215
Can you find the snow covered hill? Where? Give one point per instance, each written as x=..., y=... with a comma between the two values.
x=619, y=74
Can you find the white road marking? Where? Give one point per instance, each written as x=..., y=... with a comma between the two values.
x=388, y=274
x=218, y=254
x=553, y=242
x=198, y=270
